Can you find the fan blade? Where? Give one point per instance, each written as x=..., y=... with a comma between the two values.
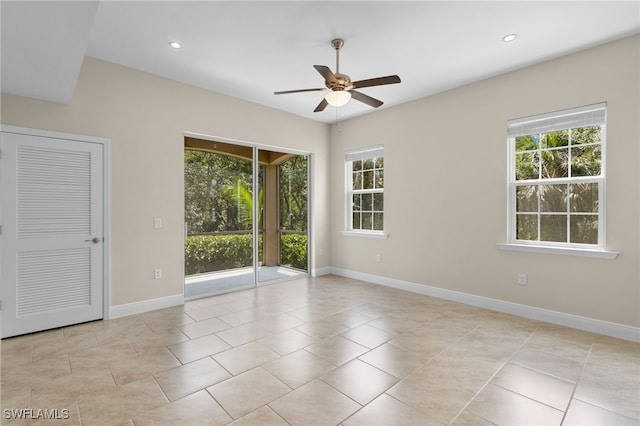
x=366, y=99
x=299, y=91
x=380, y=81
x=329, y=76
x=321, y=106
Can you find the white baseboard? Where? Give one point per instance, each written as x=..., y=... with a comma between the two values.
x=127, y=309
x=317, y=272
x=606, y=328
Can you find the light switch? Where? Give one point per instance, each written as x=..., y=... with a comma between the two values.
x=157, y=222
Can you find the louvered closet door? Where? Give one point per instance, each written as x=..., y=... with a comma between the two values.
x=52, y=232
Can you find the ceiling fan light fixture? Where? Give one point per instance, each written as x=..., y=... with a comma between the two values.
x=337, y=98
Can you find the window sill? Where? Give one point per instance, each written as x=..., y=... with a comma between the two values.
x=365, y=234
x=569, y=251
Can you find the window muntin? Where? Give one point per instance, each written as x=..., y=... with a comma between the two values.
x=556, y=179
x=365, y=190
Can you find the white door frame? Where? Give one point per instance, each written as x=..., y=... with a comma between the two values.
x=106, y=158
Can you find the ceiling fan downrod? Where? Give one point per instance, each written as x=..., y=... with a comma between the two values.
x=337, y=44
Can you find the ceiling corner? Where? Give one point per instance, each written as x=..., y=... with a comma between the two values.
x=43, y=45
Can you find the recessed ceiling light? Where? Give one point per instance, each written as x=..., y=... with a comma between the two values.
x=175, y=44
x=509, y=37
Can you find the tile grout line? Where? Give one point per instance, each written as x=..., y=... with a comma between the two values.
x=494, y=375
x=221, y=406
x=159, y=324
x=575, y=387
x=424, y=362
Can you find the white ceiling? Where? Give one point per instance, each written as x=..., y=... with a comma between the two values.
x=251, y=49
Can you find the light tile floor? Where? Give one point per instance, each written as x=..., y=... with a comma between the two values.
x=321, y=351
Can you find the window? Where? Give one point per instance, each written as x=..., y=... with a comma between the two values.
x=557, y=178
x=365, y=190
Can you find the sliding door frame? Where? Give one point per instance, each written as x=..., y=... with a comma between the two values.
x=255, y=189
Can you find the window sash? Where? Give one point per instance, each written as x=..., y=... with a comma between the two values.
x=350, y=157
x=366, y=191
x=591, y=115
x=567, y=213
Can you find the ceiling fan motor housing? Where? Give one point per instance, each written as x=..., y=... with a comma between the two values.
x=343, y=83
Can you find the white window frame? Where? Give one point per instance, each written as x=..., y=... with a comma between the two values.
x=350, y=157
x=590, y=115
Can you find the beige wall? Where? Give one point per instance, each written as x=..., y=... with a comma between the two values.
x=444, y=225
x=145, y=117
x=445, y=188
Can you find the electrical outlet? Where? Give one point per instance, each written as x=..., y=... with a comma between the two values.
x=157, y=274
x=157, y=222
x=522, y=279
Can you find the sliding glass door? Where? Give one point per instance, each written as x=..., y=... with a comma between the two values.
x=246, y=216
x=219, y=244
x=284, y=215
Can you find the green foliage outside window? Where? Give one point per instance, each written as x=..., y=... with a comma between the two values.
x=367, y=181
x=559, y=211
x=219, y=199
x=207, y=178
x=293, y=194
x=209, y=253
x=293, y=250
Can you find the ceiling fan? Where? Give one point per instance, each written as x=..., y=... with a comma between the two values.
x=340, y=86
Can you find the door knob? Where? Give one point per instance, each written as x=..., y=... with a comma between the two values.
x=94, y=240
